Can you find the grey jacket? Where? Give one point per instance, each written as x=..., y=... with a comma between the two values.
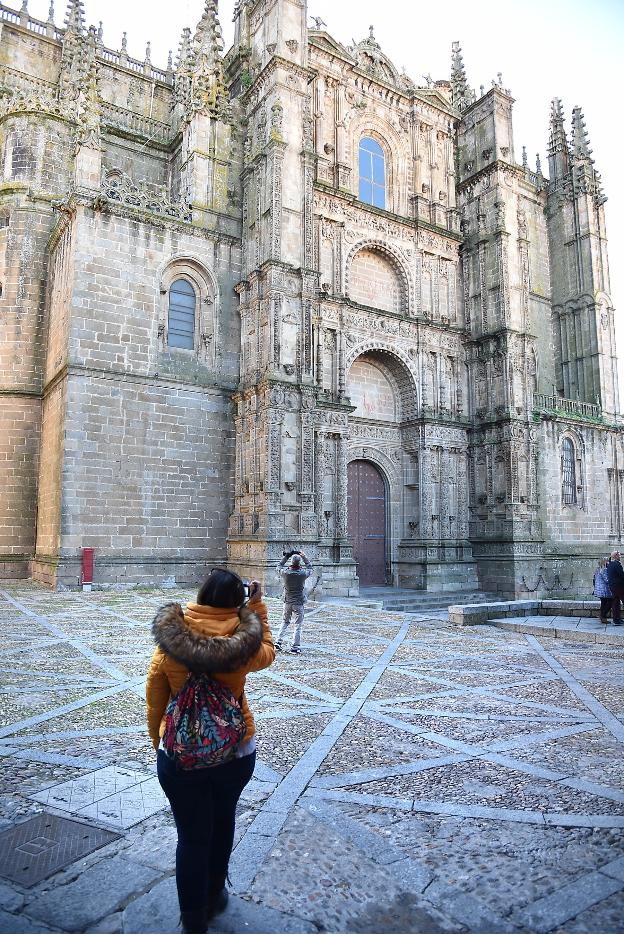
x=294, y=581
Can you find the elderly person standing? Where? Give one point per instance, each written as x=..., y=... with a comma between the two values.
x=615, y=577
x=602, y=589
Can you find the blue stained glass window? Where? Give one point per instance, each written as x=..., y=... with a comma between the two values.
x=372, y=173
x=182, y=302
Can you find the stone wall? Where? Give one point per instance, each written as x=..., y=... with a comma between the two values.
x=19, y=454
x=32, y=165
x=371, y=391
x=374, y=282
x=147, y=479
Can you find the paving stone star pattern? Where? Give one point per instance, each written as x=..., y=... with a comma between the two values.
x=411, y=775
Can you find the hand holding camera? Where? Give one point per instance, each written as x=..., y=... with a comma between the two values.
x=255, y=590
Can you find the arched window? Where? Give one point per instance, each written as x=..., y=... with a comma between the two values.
x=372, y=173
x=181, y=327
x=569, y=472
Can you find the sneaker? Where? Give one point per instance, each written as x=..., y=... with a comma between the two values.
x=296, y=650
x=278, y=646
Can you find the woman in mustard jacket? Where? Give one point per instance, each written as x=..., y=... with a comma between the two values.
x=220, y=636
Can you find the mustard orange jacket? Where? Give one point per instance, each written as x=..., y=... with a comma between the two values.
x=222, y=643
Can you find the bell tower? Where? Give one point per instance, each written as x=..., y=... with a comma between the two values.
x=275, y=406
x=583, y=314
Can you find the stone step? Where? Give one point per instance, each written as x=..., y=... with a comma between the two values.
x=426, y=601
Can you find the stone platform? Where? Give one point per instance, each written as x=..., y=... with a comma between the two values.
x=412, y=775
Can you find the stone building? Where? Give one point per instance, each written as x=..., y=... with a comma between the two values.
x=287, y=295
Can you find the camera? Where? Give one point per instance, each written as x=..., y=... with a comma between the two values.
x=289, y=554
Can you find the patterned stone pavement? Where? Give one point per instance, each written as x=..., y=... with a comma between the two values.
x=411, y=776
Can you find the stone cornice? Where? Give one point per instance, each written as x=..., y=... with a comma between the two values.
x=216, y=387
x=273, y=65
x=492, y=167
x=408, y=223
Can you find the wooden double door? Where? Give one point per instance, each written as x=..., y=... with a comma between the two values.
x=366, y=504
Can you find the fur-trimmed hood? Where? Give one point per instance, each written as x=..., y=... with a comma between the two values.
x=202, y=653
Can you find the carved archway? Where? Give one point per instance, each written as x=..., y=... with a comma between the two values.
x=397, y=261
x=399, y=365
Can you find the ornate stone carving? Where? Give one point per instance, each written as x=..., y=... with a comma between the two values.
x=118, y=188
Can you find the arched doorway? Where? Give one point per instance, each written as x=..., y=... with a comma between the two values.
x=366, y=506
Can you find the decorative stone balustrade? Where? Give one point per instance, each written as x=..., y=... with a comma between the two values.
x=145, y=127
x=543, y=402
x=107, y=55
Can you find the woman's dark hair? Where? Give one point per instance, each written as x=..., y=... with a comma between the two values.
x=222, y=589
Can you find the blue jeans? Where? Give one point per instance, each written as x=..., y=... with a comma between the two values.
x=203, y=802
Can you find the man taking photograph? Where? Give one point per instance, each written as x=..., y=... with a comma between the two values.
x=293, y=577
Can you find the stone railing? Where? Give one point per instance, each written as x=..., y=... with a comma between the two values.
x=543, y=402
x=124, y=61
x=146, y=127
x=19, y=18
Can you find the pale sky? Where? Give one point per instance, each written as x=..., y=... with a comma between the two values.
x=544, y=48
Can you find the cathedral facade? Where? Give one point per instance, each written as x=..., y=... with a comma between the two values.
x=286, y=296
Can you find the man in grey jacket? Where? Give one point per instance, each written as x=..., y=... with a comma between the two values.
x=293, y=577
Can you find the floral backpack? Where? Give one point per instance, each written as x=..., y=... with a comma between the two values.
x=204, y=724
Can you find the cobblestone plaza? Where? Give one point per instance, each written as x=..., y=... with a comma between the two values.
x=411, y=776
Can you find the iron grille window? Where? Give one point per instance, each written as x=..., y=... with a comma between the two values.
x=182, y=302
x=569, y=473
x=372, y=173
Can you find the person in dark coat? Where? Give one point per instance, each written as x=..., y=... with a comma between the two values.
x=615, y=576
x=602, y=590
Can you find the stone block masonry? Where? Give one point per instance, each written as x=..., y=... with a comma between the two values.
x=146, y=481
x=19, y=455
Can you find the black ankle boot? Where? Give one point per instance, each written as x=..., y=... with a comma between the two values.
x=218, y=895
x=194, y=922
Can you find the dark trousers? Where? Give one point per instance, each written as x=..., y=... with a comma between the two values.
x=605, y=606
x=616, y=614
x=203, y=802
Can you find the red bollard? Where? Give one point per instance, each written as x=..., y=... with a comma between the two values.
x=87, y=568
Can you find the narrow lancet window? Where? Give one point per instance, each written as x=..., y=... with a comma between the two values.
x=569, y=473
x=182, y=302
x=372, y=173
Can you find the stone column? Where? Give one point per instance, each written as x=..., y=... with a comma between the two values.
x=341, y=488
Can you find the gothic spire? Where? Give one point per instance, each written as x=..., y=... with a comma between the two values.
x=182, y=75
x=183, y=61
x=558, y=148
x=586, y=179
x=208, y=35
x=461, y=94
x=74, y=60
x=208, y=92
x=50, y=22
x=580, y=140
x=89, y=133
x=75, y=16
x=557, y=141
